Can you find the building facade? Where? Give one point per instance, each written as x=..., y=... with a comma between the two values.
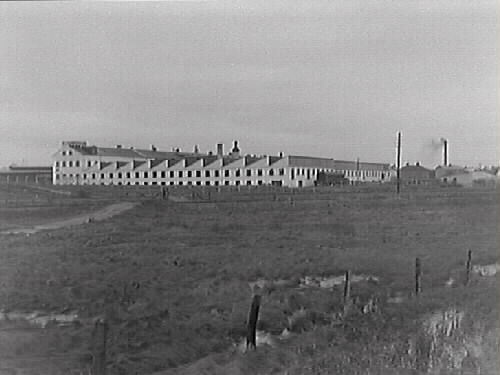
x=27, y=175
x=416, y=174
x=471, y=179
x=77, y=163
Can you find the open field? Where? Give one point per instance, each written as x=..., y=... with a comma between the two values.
x=172, y=278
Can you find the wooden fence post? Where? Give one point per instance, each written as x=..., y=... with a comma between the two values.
x=418, y=276
x=347, y=290
x=253, y=317
x=99, y=347
x=468, y=267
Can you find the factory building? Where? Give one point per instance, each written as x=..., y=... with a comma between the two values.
x=77, y=163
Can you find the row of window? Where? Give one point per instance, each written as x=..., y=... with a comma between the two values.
x=189, y=173
x=187, y=183
x=75, y=163
x=362, y=173
x=69, y=163
x=145, y=174
x=227, y=173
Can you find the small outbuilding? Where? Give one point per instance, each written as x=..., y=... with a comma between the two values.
x=416, y=174
x=471, y=179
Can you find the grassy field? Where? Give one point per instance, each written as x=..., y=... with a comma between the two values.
x=172, y=278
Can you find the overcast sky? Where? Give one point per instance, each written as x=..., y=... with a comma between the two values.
x=335, y=78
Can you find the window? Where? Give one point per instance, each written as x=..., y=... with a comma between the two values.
x=237, y=182
x=226, y=183
x=136, y=174
x=163, y=174
x=77, y=163
x=216, y=183
x=70, y=163
x=281, y=171
x=237, y=173
x=84, y=176
x=216, y=173
x=292, y=175
x=207, y=173
x=145, y=183
x=111, y=175
x=207, y=183
x=198, y=183
x=155, y=174
x=145, y=174
x=128, y=174
x=70, y=153
x=198, y=174
x=259, y=172
x=120, y=175
x=259, y=182
x=63, y=153
x=249, y=182
x=180, y=182
x=163, y=183
x=249, y=172
x=171, y=174
x=93, y=176
x=171, y=182
x=180, y=175
x=189, y=173
x=271, y=172
x=102, y=175
x=89, y=163
x=189, y=183
x=154, y=183
x=226, y=173
x=56, y=164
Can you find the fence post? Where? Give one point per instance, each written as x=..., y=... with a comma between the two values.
x=99, y=347
x=468, y=267
x=347, y=290
x=418, y=276
x=253, y=317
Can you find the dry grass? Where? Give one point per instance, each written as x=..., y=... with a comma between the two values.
x=172, y=278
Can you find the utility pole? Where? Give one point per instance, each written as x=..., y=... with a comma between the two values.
x=398, y=165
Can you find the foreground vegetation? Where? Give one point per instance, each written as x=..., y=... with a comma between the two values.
x=172, y=279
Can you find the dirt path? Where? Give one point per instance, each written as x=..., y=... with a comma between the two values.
x=102, y=214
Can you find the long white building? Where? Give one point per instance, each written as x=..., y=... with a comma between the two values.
x=77, y=163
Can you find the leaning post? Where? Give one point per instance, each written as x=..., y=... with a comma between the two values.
x=418, y=276
x=347, y=290
x=468, y=268
x=253, y=317
x=99, y=352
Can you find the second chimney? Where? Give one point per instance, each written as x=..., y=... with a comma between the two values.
x=445, y=152
x=220, y=150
